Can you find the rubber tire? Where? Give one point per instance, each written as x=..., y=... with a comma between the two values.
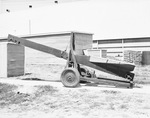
x=70, y=77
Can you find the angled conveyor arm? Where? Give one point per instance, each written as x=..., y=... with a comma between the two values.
x=37, y=46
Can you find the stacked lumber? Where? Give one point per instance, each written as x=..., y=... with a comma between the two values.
x=133, y=56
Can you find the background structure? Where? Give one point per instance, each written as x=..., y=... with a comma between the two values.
x=116, y=25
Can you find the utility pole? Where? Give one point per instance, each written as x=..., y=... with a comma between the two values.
x=29, y=26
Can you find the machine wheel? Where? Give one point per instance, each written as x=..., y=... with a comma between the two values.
x=70, y=77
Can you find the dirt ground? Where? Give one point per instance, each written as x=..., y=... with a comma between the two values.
x=35, y=95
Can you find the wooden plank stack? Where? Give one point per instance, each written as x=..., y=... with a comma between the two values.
x=11, y=60
x=133, y=56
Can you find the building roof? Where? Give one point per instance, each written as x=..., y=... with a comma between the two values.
x=138, y=38
x=65, y=33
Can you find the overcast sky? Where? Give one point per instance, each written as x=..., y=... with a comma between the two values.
x=105, y=18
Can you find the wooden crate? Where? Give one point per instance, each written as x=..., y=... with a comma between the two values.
x=11, y=60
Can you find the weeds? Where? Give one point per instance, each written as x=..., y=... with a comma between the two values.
x=8, y=96
x=44, y=90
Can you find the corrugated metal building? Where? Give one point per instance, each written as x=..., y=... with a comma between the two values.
x=116, y=47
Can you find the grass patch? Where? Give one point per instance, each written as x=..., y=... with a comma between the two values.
x=45, y=90
x=6, y=88
x=142, y=74
x=6, y=94
x=10, y=96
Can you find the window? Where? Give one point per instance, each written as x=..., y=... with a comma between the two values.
x=110, y=41
x=136, y=40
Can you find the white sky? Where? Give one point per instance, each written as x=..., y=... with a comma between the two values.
x=105, y=18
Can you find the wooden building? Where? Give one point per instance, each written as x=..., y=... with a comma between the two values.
x=11, y=60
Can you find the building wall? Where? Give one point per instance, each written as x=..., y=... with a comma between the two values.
x=11, y=60
x=38, y=57
x=116, y=47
